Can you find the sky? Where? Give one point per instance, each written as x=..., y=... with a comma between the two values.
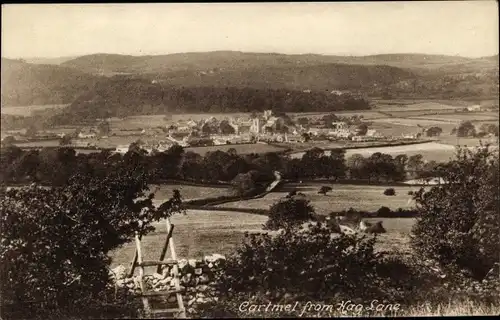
x=465, y=28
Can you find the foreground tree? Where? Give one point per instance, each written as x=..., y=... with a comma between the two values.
x=458, y=221
x=55, y=241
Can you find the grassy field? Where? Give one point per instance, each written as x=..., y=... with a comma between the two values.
x=199, y=233
x=164, y=191
x=29, y=110
x=196, y=234
x=458, y=117
x=343, y=197
x=430, y=151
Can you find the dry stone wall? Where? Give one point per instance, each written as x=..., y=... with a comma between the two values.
x=197, y=279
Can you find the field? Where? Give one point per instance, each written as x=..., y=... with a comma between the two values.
x=342, y=197
x=29, y=110
x=457, y=117
x=430, y=151
x=200, y=233
x=196, y=234
x=164, y=191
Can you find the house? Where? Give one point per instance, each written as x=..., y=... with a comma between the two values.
x=339, y=125
x=121, y=149
x=474, y=108
x=371, y=132
x=255, y=126
x=82, y=135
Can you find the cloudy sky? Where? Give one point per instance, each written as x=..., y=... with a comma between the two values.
x=466, y=28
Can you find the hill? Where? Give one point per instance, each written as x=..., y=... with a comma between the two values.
x=231, y=60
x=121, y=96
x=389, y=75
x=39, y=84
x=55, y=61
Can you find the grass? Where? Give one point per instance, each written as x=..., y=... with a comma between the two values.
x=440, y=152
x=200, y=233
x=164, y=191
x=457, y=117
x=342, y=197
x=196, y=234
x=430, y=151
x=26, y=111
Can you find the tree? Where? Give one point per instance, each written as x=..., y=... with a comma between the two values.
x=226, y=128
x=328, y=119
x=31, y=131
x=389, y=192
x=458, y=223
x=303, y=121
x=289, y=213
x=362, y=129
x=415, y=164
x=324, y=190
x=306, y=136
x=8, y=141
x=55, y=242
x=490, y=128
x=104, y=128
x=357, y=167
x=466, y=129
x=65, y=140
x=434, y=131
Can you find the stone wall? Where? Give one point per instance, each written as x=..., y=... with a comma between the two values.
x=196, y=279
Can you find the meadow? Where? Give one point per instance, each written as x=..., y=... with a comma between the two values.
x=163, y=192
x=26, y=111
x=198, y=233
x=440, y=152
x=342, y=197
x=463, y=116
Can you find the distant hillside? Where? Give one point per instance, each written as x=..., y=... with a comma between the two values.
x=391, y=75
x=230, y=60
x=122, y=96
x=399, y=75
x=33, y=84
x=56, y=61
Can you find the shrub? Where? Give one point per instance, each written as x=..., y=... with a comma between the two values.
x=389, y=192
x=310, y=264
x=55, y=241
x=458, y=223
x=324, y=190
x=383, y=212
x=289, y=212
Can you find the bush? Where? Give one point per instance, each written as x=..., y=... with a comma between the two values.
x=383, y=212
x=289, y=212
x=458, y=223
x=389, y=192
x=55, y=242
x=305, y=265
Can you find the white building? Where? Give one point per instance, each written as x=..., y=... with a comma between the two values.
x=474, y=108
x=121, y=149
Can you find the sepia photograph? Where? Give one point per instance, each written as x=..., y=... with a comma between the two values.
x=249, y=160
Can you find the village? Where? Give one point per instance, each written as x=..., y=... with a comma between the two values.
x=258, y=128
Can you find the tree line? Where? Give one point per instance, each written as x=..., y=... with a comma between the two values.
x=55, y=166
x=122, y=97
